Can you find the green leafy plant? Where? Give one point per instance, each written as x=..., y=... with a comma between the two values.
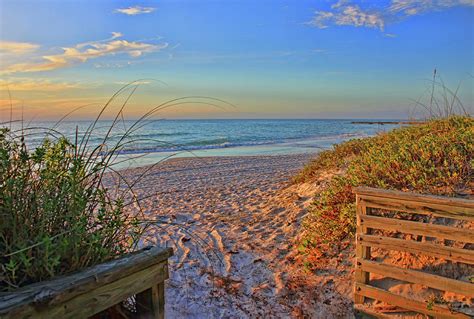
x=433, y=158
x=56, y=214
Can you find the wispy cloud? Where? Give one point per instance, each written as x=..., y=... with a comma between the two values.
x=85, y=51
x=116, y=35
x=10, y=47
x=319, y=50
x=414, y=7
x=344, y=12
x=115, y=65
x=6, y=103
x=131, y=11
x=43, y=85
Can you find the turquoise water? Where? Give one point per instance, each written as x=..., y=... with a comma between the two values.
x=163, y=138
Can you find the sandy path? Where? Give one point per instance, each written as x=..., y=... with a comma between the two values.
x=232, y=222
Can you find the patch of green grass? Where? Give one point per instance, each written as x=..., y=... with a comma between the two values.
x=432, y=158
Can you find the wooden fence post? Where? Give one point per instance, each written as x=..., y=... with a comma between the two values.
x=151, y=302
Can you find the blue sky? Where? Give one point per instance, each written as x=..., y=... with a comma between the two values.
x=299, y=59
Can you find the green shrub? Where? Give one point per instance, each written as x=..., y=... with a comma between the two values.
x=433, y=158
x=56, y=215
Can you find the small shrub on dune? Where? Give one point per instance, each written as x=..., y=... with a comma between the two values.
x=56, y=214
x=338, y=157
x=432, y=158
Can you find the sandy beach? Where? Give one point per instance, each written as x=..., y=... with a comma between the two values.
x=232, y=222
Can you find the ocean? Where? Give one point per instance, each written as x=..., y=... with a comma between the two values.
x=160, y=139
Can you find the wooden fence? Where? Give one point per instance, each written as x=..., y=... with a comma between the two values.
x=369, y=199
x=105, y=286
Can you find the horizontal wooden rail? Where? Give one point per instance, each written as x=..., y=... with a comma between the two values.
x=415, y=197
x=418, y=228
x=418, y=277
x=94, y=289
x=447, y=207
x=406, y=303
x=449, y=253
x=370, y=199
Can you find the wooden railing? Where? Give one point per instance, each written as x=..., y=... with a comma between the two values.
x=370, y=199
x=105, y=286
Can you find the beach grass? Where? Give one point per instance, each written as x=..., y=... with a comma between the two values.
x=433, y=158
x=57, y=212
x=57, y=215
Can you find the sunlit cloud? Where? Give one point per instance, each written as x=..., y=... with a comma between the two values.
x=27, y=84
x=134, y=82
x=83, y=52
x=344, y=12
x=131, y=11
x=7, y=103
x=10, y=47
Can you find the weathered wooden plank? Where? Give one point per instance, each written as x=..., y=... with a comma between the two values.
x=99, y=298
x=449, y=253
x=363, y=312
x=420, y=198
x=419, y=204
x=418, y=277
x=151, y=302
x=160, y=300
x=446, y=211
x=419, y=228
x=62, y=289
x=409, y=304
x=362, y=252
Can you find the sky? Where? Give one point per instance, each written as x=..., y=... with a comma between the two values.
x=269, y=59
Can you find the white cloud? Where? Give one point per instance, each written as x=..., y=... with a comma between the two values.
x=344, y=12
x=84, y=52
x=116, y=35
x=10, y=47
x=414, y=7
x=347, y=14
x=131, y=11
x=134, y=82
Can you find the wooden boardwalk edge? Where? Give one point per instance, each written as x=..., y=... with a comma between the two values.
x=92, y=290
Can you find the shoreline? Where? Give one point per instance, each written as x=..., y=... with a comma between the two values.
x=232, y=222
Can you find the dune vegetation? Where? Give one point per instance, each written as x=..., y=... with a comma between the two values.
x=64, y=205
x=436, y=157
x=57, y=215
